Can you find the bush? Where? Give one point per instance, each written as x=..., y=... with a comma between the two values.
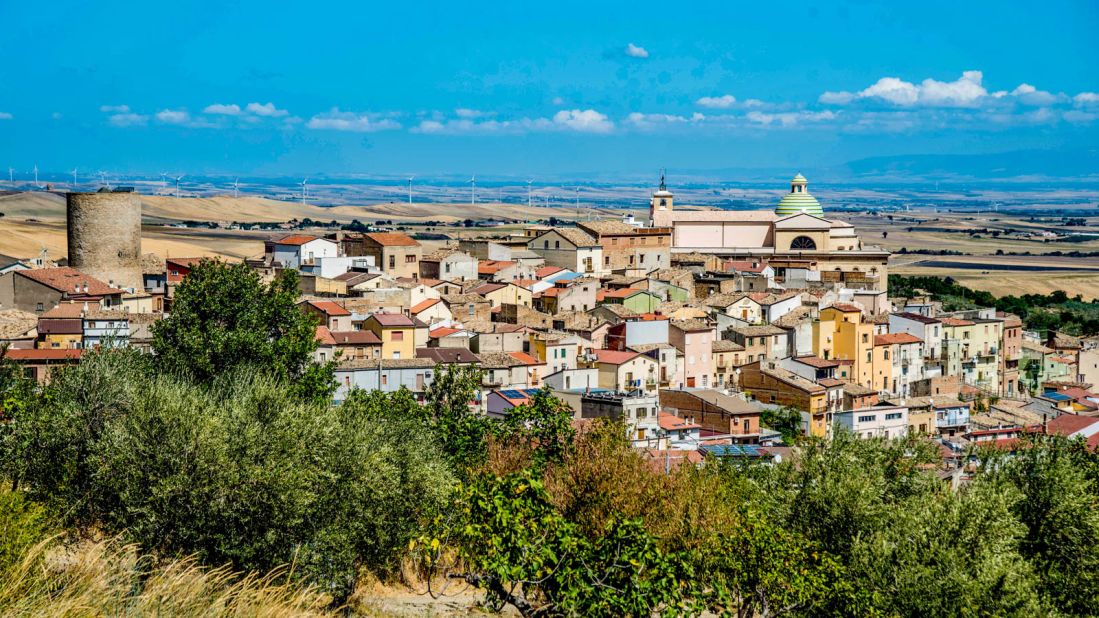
x=242, y=471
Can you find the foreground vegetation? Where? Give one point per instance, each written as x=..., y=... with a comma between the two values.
x=198, y=479
x=1041, y=312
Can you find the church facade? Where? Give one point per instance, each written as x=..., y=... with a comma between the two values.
x=796, y=235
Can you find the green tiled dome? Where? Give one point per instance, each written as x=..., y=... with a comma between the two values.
x=798, y=200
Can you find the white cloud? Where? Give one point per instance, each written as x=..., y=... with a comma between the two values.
x=1079, y=117
x=636, y=51
x=966, y=91
x=558, y=101
x=222, y=109
x=463, y=112
x=586, y=121
x=1086, y=98
x=6, y=116
x=724, y=101
x=790, y=119
x=837, y=98
x=173, y=116
x=583, y=121
x=653, y=121
x=335, y=120
x=266, y=109
x=128, y=119
x=115, y=109
x=1029, y=95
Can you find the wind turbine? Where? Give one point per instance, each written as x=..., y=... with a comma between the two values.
x=74, y=178
x=36, y=176
x=303, y=188
x=529, y=184
x=11, y=176
x=178, y=178
x=103, y=179
x=578, y=204
x=473, y=190
x=236, y=185
x=410, y=189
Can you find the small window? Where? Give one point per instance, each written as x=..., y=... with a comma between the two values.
x=557, y=244
x=397, y=335
x=385, y=379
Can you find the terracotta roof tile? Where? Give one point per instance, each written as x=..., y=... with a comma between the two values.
x=66, y=279
x=295, y=239
x=898, y=338
x=392, y=239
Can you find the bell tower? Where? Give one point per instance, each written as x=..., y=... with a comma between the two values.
x=661, y=202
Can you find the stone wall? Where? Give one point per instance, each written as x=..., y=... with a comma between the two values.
x=104, y=234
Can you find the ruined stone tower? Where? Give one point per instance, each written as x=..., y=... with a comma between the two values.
x=105, y=236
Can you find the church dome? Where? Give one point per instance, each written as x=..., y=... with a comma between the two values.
x=798, y=200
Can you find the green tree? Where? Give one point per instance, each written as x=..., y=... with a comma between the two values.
x=785, y=420
x=544, y=422
x=505, y=536
x=223, y=316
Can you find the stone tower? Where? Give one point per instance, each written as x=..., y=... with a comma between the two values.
x=105, y=236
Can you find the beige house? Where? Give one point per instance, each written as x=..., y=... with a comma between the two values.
x=397, y=254
x=504, y=294
x=569, y=248
x=626, y=371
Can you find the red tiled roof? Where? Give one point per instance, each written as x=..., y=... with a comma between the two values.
x=392, y=319
x=328, y=307
x=43, y=354
x=749, y=266
x=324, y=336
x=546, y=271
x=425, y=304
x=845, y=307
x=816, y=361
x=69, y=310
x=830, y=382
x=355, y=337
x=186, y=262
x=525, y=358
x=295, y=239
x=65, y=279
x=443, y=331
x=490, y=267
x=487, y=288
x=670, y=422
x=552, y=291
x=615, y=357
x=621, y=293
x=1069, y=424
x=955, y=322
x=891, y=338
x=392, y=239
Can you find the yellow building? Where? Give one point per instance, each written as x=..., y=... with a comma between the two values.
x=397, y=332
x=841, y=334
x=505, y=294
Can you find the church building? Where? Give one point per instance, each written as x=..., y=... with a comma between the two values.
x=796, y=236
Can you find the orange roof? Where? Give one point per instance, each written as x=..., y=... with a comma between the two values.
x=295, y=239
x=43, y=354
x=392, y=239
x=546, y=271
x=525, y=283
x=425, y=304
x=845, y=307
x=955, y=322
x=615, y=357
x=442, y=331
x=324, y=336
x=65, y=310
x=671, y=422
x=891, y=338
x=525, y=358
x=489, y=267
x=551, y=291
x=66, y=279
x=328, y=307
x=621, y=293
x=188, y=262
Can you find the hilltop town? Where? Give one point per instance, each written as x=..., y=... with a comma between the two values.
x=696, y=328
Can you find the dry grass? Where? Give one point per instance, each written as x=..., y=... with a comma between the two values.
x=107, y=579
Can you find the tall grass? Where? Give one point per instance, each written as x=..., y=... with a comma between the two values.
x=106, y=578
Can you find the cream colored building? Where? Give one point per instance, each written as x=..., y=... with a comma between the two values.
x=796, y=230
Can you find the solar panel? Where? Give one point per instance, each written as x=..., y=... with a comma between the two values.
x=513, y=394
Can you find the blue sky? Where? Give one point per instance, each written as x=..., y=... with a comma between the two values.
x=519, y=88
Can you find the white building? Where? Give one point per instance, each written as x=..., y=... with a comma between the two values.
x=297, y=250
x=873, y=422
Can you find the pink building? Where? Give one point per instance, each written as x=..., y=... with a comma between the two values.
x=695, y=339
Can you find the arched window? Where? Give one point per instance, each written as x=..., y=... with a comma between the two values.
x=803, y=242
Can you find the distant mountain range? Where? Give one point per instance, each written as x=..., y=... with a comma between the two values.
x=1020, y=165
